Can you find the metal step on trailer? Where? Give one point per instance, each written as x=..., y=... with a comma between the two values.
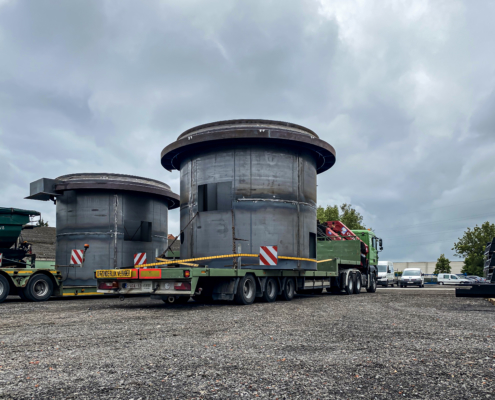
x=486, y=290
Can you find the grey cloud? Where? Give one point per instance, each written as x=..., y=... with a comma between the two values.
x=404, y=93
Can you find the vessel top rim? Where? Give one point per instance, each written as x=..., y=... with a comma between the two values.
x=106, y=177
x=237, y=124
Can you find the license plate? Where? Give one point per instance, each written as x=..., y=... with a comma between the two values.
x=113, y=273
x=410, y=282
x=146, y=286
x=133, y=285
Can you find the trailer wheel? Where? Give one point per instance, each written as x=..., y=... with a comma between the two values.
x=349, y=287
x=246, y=291
x=289, y=290
x=39, y=288
x=372, y=288
x=271, y=290
x=4, y=288
x=357, y=283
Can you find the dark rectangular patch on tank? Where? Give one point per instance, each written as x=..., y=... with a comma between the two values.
x=215, y=196
x=224, y=195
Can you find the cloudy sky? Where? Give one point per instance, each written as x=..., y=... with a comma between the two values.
x=404, y=91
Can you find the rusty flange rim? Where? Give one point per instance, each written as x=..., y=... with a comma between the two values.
x=111, y=181
x=247, y=131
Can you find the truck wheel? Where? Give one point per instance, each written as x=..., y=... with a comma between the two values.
x=349, y=287
x=357, y=284
x=289, y=290
x=271, y=290
x=246, y=291
x=39, y=288
x=4, y=288
x=372, y=288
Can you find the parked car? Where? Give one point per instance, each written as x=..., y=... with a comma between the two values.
x=452, y=279
x=476, y=278
x=386, y=274
x=412, y=277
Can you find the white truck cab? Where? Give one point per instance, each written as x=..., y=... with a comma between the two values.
x=451, y=279
x=412, y=277
x=386, y=274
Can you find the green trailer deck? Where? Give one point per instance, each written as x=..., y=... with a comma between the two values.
x=179, y=280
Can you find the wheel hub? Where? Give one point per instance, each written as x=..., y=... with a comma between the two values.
x=41, y=288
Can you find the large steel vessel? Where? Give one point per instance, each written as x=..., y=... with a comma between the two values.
x=117, y=215
x=246, y=184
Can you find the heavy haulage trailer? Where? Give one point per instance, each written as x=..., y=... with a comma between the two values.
x=248, y=185
x=341, y=265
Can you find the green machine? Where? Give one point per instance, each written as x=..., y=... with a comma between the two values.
x=19, y=274
x=15, y=251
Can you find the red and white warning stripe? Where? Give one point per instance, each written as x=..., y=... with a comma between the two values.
x=76, y=257
x=268, y=255
x=139, y=258
x=1, y=256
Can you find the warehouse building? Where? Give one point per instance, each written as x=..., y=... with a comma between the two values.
x=428, y=267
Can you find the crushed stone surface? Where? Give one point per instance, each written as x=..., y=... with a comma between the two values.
x=403, y=343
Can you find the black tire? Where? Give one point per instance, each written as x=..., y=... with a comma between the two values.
x=4, y=288
x=246, y=291
x=289, y=290
x=357, y=283
x=271, y=290
x=372, y=288
x=349, y=286
x=39, y=288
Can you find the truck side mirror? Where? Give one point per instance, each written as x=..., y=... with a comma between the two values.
x=381, y=244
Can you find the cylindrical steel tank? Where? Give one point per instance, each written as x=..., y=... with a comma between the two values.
x=117, y=215
x=256, y=176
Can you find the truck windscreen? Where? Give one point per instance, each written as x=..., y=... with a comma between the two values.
x=382, y=268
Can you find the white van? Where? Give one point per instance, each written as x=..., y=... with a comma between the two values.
x=412, y=277
x=386, y=274
x=451, y=279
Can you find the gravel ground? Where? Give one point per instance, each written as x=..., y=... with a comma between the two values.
x=405, y=343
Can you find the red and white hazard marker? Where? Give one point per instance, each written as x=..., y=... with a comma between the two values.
x=76, y=257
x=1, y=257
x=268, y=255
x=139, y=258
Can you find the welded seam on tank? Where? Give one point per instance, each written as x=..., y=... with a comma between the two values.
x=279, y=201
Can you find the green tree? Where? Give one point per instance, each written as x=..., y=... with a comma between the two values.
x=42, y=223
x=347, y=215
x=443, y=265
x=472, y=246
x=327, y=214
